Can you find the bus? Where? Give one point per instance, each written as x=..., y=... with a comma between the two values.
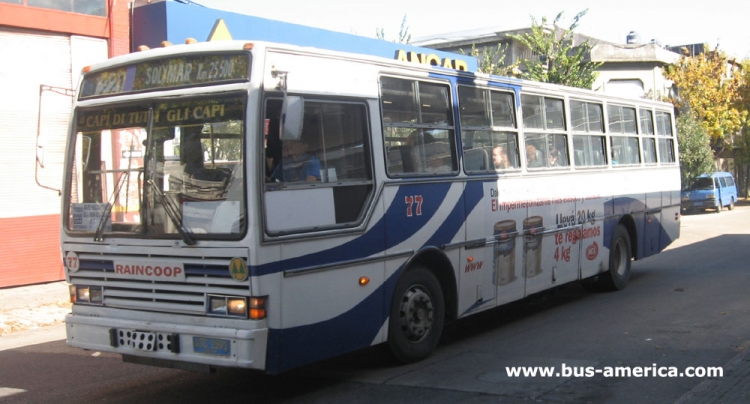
x=266, y=206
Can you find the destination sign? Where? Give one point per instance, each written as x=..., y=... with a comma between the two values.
x=167, y=73
x=165, y=114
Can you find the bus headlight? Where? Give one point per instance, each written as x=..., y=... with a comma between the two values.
x=710, y=196
x=217, y=305
x=81, y=294
x=237, y=306
x=227, y=306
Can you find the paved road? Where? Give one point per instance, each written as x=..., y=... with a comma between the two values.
x=688, y=306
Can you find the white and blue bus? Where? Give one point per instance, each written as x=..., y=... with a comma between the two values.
x=267, y=206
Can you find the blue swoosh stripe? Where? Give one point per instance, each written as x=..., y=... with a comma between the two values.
x=473, y=194
x=374, y=240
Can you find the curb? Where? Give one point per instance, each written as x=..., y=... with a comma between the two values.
x=32, y=337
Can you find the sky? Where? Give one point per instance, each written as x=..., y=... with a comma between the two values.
x=722, y=23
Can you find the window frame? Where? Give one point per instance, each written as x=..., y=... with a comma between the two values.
x=546, y=133
x=588, y=134
x=367, y=139
x=623, y=135
x=403, y=151
x=665, y=139
x=494, y=132
x=648, y=135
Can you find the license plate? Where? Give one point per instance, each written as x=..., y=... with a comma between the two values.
x=211, y=346
x=142, y=340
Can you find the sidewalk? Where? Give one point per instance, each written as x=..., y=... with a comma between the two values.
x=33, y=314
x=733, y=388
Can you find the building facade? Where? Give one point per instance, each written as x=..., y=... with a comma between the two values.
x=45, y=44
x=631, y=68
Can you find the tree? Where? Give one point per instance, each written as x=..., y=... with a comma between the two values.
x=696, y=157
x=708, y=87
x=741, y=145
x=403, y=34
x=559, y=60
x=742, y=161
x=492, y=60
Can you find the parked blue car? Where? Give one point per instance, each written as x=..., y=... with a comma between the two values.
x=713, y=191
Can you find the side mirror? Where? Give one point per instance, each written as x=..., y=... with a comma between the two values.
x=292, y=117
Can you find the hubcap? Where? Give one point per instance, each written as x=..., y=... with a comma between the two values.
x=416, y=314
x=620, y=257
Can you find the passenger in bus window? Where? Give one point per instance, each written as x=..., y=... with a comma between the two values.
x=552, y=158
x=500, y=158
x=532, y=157
x=296, y=164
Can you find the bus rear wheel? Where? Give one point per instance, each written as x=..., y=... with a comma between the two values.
x=417, y=316
x=616, y=278
x=731, y=204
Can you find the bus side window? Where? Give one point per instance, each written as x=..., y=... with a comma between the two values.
x=336, y=136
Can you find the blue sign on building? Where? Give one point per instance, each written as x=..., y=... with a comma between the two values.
x=175, y=22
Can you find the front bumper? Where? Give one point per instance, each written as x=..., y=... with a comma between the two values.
x=163, y=340
x=705, y=204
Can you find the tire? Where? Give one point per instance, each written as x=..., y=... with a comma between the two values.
x=620, y=253
x=417, y=316
x=731, y=204
x=718, y=207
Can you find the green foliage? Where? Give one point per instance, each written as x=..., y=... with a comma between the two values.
x=224, y=142
x=742, y=103
x=403, y=34
x=710, y=87
x=696, y=157
x=742, y=147
x=492, y=60
x=558, y=60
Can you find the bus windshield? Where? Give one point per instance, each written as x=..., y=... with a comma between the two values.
x=166, y=169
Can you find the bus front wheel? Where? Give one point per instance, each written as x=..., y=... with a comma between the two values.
x=616, y=278
x=417, y=316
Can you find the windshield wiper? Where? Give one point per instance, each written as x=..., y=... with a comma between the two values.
x=173, y=214
x=98, y=236
x=108, y=210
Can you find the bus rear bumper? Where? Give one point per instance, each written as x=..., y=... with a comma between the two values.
x=169, y=345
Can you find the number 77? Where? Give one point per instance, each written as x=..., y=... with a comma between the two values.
x=410, y=201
